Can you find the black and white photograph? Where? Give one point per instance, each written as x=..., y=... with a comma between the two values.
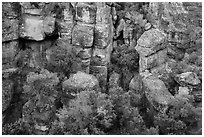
x=101, y=68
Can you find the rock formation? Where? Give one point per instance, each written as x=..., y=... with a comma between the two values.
x=51, y=51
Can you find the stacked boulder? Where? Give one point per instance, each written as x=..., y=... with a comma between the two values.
x=151, y=47
x=103, y=40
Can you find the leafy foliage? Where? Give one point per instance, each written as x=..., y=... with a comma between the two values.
x=16, y=128
x=43, y=83
x=89, y=113
x=180, y=119
x=129, y=121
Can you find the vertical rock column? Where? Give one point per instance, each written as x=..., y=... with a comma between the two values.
x=66, y=23
x=83, y=35
x=151, y=47
x=10, y=49
x=10, y=33
x=103, y=40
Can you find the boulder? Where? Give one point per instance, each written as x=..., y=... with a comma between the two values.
x=183, y=91
x=80, y=81
x=150, y=42
x=156, y=92
x=32, y=28
x=188, y=78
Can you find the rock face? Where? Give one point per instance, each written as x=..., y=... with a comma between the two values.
x=151, y=47
x=80, y=81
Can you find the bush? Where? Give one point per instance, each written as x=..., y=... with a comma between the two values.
x=129, y=121
x=16, y=128
x=41, y=90
x=89, y=113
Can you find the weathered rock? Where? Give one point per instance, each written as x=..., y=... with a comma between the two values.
x=114, y=80
x=10, y=29
x=32, y=28
x=101, y=57
x=188, y=78
x=85, y=13
x=103, y=14
x=80, y=81
x=103, y=35
x=83, y=35
x=183, y=91
x=154, y=60
x=7, y=92
x=136, y=84
x=66, y=28
x=100, y=72
x=151, y=39
x=156, y=92
x=161, y=69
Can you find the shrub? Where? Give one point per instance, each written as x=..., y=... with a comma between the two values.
x=16, y=128
x=89, y=113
